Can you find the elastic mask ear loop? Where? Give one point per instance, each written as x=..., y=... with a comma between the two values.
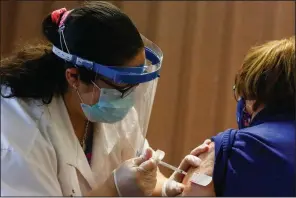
x=78, y=94
x=95, y=85
x=93, y=92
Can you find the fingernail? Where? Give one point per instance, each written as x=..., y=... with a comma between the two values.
x=207, y=141
x=148, y=153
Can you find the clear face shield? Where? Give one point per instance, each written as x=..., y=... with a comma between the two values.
x=145, y=93
x=129, y=106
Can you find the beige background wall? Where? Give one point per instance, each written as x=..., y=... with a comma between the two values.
x=203, y=44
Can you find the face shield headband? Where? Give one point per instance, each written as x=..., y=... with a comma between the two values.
x=128, y=75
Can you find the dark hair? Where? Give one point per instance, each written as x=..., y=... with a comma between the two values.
x=97, y=31
x=268, y=75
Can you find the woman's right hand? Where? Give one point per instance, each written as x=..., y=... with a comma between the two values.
x=137, y=176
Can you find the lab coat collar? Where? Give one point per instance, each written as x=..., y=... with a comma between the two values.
x=68, y=142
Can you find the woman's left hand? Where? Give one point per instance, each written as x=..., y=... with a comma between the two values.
x=206, y=167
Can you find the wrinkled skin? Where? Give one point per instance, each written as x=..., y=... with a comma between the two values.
x=206, y=167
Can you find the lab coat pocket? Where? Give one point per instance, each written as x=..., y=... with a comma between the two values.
x=69, y=181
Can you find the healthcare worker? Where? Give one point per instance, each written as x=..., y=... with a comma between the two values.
x=75, y=112
x=258, y=158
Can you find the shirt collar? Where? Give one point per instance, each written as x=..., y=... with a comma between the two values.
x=267, y=115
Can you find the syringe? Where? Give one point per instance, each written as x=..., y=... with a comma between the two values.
x=172, y=167
x=197, y=178
x=159, y=155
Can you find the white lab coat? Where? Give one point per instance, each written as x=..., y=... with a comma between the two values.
x=41, y=156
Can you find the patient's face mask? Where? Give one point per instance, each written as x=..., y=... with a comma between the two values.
x=110, y=108
x=243, y=118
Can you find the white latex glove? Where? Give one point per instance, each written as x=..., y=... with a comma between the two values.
x=137, y=176
x=173, y=186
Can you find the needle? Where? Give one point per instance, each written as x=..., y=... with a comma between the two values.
x=172, y=167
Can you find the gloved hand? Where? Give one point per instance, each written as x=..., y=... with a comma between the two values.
x=137, y=176
x=173, y=186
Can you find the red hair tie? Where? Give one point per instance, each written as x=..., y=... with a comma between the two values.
x=56, y=15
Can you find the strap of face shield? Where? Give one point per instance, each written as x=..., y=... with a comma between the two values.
x=128, y=75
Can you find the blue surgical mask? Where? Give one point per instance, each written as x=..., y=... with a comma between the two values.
x=242, y=117
x=110, y=108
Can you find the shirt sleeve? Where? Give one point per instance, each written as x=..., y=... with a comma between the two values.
x=223, y=142
x=32, y=173
x=248, y=165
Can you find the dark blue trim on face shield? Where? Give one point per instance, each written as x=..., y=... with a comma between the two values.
x=128, y=75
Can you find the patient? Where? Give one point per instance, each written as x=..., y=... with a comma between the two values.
x=258, y=159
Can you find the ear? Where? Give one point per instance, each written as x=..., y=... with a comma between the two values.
x=72, y=76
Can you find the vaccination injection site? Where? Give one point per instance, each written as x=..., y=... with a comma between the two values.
x=148, y=98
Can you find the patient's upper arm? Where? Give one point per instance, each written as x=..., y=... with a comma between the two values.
x=206, y=167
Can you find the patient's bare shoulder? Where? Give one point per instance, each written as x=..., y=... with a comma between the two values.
x=207, y=163
x=206, y=167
